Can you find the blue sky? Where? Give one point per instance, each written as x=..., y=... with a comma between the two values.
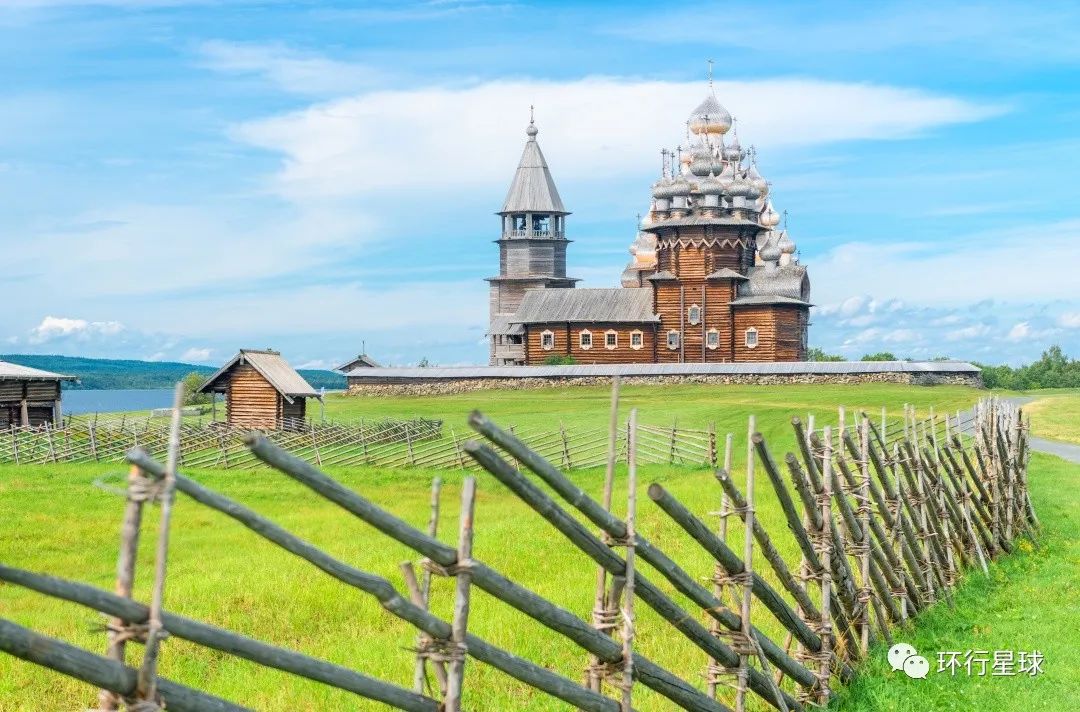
x=179, y=179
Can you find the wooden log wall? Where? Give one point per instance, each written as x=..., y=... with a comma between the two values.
x=567, y=342
x=250, y=401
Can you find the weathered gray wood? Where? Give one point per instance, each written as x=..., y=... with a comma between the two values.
x=630, y=578
x=463, y=578
x=615, y=528
x=581, y=537
x=512, y=665
x=223, y=640
x=100, y=671
x=125, y=578
x=734, y=565
x=524, y=600
x=147, y=688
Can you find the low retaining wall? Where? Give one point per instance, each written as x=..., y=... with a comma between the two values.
x=393, y=384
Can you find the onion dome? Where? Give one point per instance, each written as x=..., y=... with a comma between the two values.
x=702, y=160
x=662, y=188
x=711, y=185
x=726, y=177
x=531, y=131
x=785, y=244
x=710, y=118
x=757, y=180
x=680, y=187
x=770, y=252
x=733, y=151
x=752, y=192
x=769, y=217
x=738, y=187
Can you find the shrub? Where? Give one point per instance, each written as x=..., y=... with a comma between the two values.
x=560, y=360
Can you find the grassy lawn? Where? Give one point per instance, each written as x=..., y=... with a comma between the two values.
x=1029, y=603
x=1056, y=416
x=53, y=519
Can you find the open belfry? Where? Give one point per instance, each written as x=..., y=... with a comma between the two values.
x=711, y=278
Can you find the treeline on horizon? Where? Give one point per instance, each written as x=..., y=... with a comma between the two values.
x=1054, y=369
x=113, y=374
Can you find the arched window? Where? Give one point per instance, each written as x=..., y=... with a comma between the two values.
x=547, y=340
x=750, y=338
x=611, y=339
x=712, y=338
x=673, y=340
x=637, y=339
x=585, y=339
x=693, y=314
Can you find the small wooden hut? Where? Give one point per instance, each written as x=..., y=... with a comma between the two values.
x=261, y=391
x=29, y=396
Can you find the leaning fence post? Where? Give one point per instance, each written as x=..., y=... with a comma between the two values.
x=119, y=631
x=463, y=581
x=600, y=617
x=146, y=689
x=419, y=676
x=631, y=543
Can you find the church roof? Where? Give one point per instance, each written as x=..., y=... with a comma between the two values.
x=779, y=281
x=630, y=305
x=767, y=299
x=533, y=189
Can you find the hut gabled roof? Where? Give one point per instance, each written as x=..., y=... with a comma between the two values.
x=14, y=372
x=362, y=360
x=271, y=366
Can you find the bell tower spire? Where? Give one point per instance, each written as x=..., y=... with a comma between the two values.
x=532, y=247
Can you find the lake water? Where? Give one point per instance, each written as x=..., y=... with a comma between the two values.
x=76, y=402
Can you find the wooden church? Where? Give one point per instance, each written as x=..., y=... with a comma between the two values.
x=711, y=279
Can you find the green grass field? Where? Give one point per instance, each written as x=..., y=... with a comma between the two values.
x=1056, y=415
x=52, y=519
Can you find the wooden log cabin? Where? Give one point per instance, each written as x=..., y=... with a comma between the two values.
x=711, y=279
x=262, y=391
x=29, y=396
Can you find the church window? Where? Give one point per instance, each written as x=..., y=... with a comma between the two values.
x=637, y=339
x=750, y=338
x=712, y=338
x=673, y=339
x=547, y=340
x=611, y=339
x=693, y=315
x=585, y=339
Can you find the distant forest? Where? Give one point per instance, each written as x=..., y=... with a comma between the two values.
x=109, y=374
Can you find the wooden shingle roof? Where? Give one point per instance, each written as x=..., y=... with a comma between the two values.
x=15, y=372
x=621, y=304
x=271, y=366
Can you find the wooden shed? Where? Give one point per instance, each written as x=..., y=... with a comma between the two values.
x=261, y=391
x=361, y=361
x=29, y=396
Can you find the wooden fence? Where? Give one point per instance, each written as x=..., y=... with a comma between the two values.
x=379, y=443
x=885, y=530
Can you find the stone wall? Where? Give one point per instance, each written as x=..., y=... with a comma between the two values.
x=447, y=386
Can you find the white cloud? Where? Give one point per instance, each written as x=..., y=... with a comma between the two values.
x=198, y=355
x=591, y=128
x=966, y=269
x=968, y=332
x=1070, y=320
x=1020, y=332
x=53, y=328
x=291, y=70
